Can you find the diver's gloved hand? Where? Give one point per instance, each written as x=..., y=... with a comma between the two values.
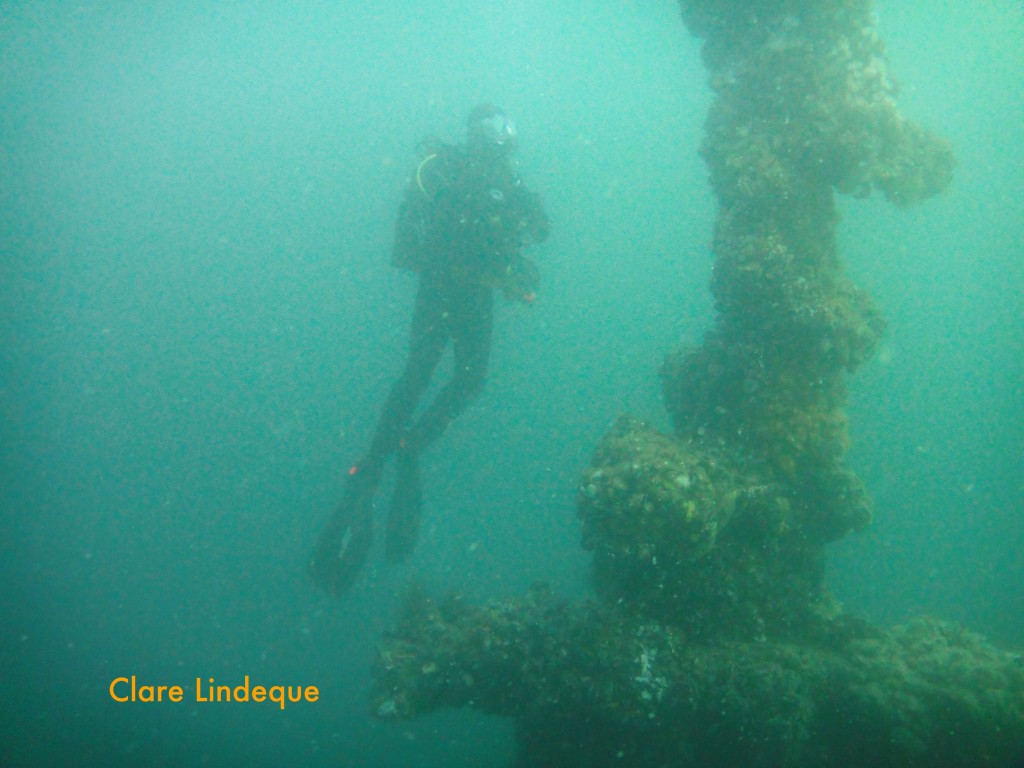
x=521, y=281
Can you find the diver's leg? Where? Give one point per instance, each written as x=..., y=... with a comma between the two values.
x=345, y=542
x=470, y=323
x=428, y=337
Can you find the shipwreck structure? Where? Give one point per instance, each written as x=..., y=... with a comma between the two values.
x=712, y=640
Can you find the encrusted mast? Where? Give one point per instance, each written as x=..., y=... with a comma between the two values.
x=727, y=523
x=804, y=107
x=713, y=641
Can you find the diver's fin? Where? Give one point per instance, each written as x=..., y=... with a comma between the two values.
x=343, y=544
x=404, y=515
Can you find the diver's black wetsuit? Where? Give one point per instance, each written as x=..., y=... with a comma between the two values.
x=477, y=218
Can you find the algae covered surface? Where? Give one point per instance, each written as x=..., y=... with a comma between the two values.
x=591, y=684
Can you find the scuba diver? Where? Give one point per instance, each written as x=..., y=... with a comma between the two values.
x=462, y=225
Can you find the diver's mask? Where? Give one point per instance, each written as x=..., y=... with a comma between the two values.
x=498, y=131
x=491, y=131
